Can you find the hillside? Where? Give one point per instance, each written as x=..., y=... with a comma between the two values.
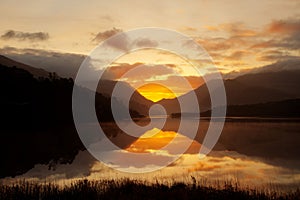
x=248, y=89
x=279, y=109
x=36, y=72
x=37, y=122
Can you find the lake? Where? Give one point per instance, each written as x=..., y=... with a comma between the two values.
x=252, y=152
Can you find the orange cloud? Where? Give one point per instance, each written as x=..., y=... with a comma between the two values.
x=282, y=34
x=234, y=29
x=215, y=44
x=284, y=26
x=237, y=55
x=178, y=83
x=142, y=72
x=224, y=44
x=118, y=70
x=238, y=30
x=262, y=45
x=212, y=28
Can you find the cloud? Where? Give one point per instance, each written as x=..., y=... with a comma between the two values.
x=118, y=70
x=178, y=84
x=106, y=34
x=64, y=64
x=215, y=44
x=277, y=34
x=123, y=43
x=222, y=44
x=287, y=64
x=281, y=34
x=189, y=28
x=163, y=74
x=284, y=26
x=194, y=81
x=212, y=28
x=275, y=55
x=240, y=45
x=119, y=42
x=140, y=71
x=237, y=55
x=236, y=29
x=145, y=42
x=289, y=42
x=22, y=36
x=264, y=44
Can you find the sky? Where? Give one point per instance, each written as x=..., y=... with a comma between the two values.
x=238, y=35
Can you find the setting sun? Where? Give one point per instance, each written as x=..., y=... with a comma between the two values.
x=156, y=92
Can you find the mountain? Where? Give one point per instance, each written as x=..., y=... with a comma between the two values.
x=247, y=89
x=279, y=109
x=283, y=65
x=36, y=72
x=291, y=64
x=285, y=81
x=65, y=65
x=37, y=122
x=137, y=101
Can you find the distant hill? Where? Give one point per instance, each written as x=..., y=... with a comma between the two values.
x=248, y=89
x=65, y=65
x=137, y=101
x=36, y=72
x=279, y=109
x=291, y=64
x=283, y=65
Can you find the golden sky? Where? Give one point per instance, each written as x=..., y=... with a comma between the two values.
x=238, y=35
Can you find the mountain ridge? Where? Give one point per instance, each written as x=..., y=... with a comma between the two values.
x=36, y=72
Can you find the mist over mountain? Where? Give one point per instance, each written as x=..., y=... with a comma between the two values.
x=281, y=65
x=36, y=72
x=67, y=64
x=64, y=64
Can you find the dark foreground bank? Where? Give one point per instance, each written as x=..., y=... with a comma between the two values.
x=128, y=189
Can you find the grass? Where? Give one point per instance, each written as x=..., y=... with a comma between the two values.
x=133, y=189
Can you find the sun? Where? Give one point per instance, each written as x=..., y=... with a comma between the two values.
x=156, y=92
